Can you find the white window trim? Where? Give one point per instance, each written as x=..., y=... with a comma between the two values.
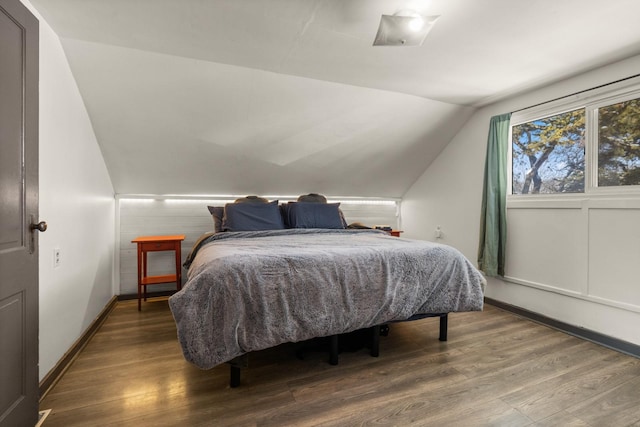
x=591, y=101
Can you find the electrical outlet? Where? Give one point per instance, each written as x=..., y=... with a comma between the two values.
x=56, y=257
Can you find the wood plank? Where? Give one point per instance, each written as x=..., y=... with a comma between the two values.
x=496, y=369
x=562, y=419
x=576, y=383
x=617, y=406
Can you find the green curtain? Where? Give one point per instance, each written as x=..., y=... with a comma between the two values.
x=493, y=219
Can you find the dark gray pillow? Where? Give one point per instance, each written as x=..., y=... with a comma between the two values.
x=251, y=199
x=217, y=212
x=312, y=198
x=313, y=215
x=252, y=217
x=317, y=198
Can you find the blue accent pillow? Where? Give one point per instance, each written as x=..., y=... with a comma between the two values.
x=313, y=215
x=252, y=217
x=217, y=213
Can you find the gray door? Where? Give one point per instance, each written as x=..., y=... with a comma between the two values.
x=18, y=210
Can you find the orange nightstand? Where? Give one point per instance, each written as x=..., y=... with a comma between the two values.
x=394, y=233
x=157, y=244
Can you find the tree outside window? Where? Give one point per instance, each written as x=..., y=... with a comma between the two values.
x=619, y=144
x=549, y=154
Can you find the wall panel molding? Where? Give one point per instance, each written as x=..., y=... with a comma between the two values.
x=587, y=255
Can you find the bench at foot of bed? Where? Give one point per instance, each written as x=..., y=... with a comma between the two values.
x=334, y=348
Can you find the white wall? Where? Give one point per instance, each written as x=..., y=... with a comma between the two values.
x=77, y=201
x=585, y=291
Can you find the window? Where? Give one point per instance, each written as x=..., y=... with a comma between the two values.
x=548, y=154
x=577, y=146
x=619, y=144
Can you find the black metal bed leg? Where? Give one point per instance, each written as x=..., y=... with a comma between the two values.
x=234, y=372
x=234, y=376
x=444, y=320
x=375, y=341
x=333, y=350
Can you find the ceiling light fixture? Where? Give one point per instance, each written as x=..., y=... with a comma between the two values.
x=416, y=23
x=404, y=28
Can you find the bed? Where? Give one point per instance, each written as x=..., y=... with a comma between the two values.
x=249, y=290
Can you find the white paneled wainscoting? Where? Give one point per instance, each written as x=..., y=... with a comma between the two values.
x=145, y=215
x=588, y=248
x=583, y=250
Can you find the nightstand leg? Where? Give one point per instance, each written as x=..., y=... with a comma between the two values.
x=178, y=267
x=139, y=275
x=144, y=274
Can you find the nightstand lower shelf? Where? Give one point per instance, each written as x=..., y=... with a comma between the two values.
x=156, y=280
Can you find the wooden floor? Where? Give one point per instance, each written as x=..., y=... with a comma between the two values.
x=496, y=369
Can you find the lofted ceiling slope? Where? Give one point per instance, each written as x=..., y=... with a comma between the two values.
x=290, y=96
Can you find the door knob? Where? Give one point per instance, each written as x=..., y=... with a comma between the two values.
x=41, y=226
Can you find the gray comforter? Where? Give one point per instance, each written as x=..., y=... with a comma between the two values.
x=249, y=291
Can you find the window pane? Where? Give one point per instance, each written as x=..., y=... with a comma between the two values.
x=548, y=154
x=619, y=144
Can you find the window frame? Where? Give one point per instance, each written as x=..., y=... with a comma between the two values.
x=590, y=101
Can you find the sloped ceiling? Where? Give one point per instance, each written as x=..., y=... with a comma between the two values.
x=290, y=96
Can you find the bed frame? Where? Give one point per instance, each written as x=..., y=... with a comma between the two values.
x=240, y=362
